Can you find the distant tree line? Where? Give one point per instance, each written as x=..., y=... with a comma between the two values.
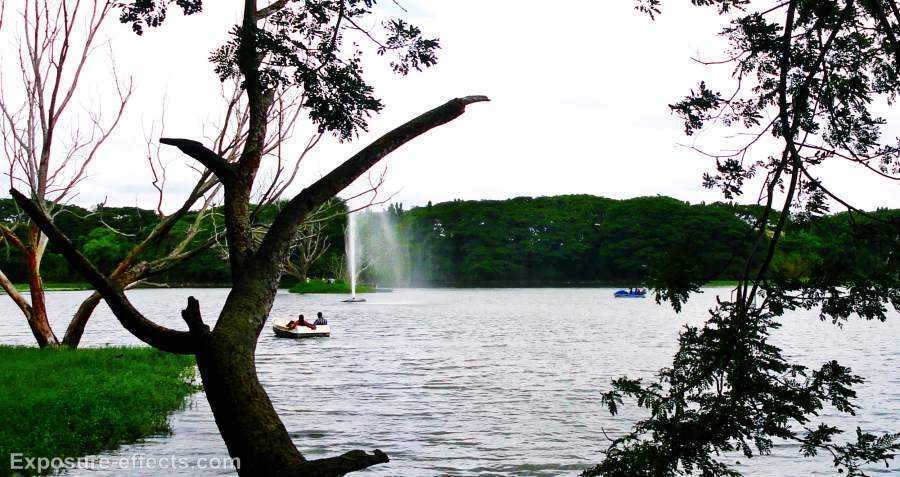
x=567, y=239
x=106, y=234
x=562, y=240
x=583, y=239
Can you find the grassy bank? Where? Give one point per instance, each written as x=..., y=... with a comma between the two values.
x=55, y=286
x=65, y=403
x=722, y=283
x=318, y=286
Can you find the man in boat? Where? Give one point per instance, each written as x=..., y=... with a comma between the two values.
x=320, y=320
x=294, y=324
x=301, y=321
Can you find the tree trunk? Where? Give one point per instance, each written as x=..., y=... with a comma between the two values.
x=37, y=319
x=250, y=427
x=302, y=271
x=76, y=327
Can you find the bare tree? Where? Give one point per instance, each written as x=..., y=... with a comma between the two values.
x=310, y=243
x=55, y=42
x=267, y=40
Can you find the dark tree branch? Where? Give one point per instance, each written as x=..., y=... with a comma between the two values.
x=274, y=7
x=160, y=337
x=352, y=461
x=278, y=239
x=212, y=161
x=194, y=320
x=876, y=9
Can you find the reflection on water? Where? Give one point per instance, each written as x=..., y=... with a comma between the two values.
x=477, y=382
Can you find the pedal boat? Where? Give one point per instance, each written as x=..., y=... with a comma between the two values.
x=282, y=331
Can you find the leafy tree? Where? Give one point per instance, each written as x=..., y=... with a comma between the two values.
x=105, y=248
x=570, y=239
x=807, y=74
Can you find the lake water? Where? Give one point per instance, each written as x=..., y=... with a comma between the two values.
x=478, y=382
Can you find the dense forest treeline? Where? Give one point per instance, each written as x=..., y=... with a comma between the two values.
x=562, y=240
x=565, y=239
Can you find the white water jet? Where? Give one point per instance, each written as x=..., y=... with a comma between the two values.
x=391, y=258
x=351, y=252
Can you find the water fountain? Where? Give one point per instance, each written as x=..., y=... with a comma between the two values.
x=352, y=257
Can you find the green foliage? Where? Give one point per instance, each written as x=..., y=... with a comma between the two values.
x=67, y=403
x=105, y=248
x=816, y=67
x=563, y=240
x=105, y=235
x=55, y=286
x=569, y=240
x=322, y=286
x=302, y=44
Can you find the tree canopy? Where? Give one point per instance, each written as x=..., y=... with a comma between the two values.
x=808, y=77
x=572, y=240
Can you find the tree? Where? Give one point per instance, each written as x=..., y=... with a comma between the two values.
x=312, y=240
x=808, y=75
x=284, y=44
x=55, y=43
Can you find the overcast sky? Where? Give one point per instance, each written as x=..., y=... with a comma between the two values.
x=579, y=95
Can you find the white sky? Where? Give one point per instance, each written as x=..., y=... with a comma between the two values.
x=579, y=95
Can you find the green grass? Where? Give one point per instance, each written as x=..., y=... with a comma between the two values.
x=55, y=286
x=722, y=283
x=70, y=403
x=318, y=286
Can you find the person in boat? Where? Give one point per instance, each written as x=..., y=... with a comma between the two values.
x=320, y=320
x=292, y=325
x=301, y=321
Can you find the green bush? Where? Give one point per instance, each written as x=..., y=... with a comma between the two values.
x=70, y=403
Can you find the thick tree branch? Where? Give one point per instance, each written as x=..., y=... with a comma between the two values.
x=147, y=331
x=352, y=461
x=280, y=234
x=192, y=317
x=212, y=161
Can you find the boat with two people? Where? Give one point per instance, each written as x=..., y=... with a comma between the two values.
x=631, y=293
x=300, y=328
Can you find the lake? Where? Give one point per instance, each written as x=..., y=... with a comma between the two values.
x=478, y=381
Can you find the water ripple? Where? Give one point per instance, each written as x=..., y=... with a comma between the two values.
x=480, y=382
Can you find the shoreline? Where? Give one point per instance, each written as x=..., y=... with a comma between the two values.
x=66, y=287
